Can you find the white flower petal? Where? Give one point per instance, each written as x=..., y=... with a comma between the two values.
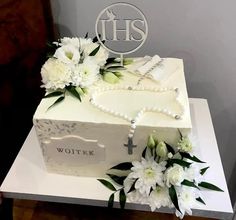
x=174, y=175
x=148, y=174
x=68, y=54
x=86, y=73
x=159, y=197
x=101, y=56
x=55, y=74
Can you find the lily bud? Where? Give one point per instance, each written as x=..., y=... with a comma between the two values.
x=110, y=77
x=161, y=149
x=118, y=74
x=127, y=61
x=151, y=142
x=81, y=91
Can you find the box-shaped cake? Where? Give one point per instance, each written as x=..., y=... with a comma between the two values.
x=112, y=122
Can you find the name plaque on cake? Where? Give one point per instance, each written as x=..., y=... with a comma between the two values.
x=75, y=150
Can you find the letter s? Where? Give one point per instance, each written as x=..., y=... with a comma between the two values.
x=138, y=30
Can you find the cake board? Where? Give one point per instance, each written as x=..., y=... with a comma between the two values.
x=28, y=178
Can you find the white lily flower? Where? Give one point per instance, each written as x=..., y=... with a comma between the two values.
x=193, y=173
x=84, y=42
x=186, y=200
x=100, y=57
x=68, y=54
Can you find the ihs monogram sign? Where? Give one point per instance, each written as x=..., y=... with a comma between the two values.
x=121, y=28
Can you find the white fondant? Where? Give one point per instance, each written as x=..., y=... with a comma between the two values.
x=72, y=117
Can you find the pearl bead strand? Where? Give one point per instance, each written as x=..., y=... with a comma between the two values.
x=137, y=118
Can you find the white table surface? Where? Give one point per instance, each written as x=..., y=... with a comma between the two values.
x=28, y=178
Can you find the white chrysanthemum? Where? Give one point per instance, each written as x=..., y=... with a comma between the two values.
x=174, y=175
x=84, y=42
x=186, y=200
x=68, y=54
x=184, y=144
x=100, y=57
x=55, y=74
x=159, y=197
x=148, y=174
x=76, y=75
x=86, y=73
x=134, y=196
x=70, y=41
x=75, y=41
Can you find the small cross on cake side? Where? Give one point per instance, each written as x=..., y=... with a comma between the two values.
x=112, y=122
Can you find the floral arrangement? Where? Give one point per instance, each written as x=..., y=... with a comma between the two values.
x=75, y=64
x=166, y=176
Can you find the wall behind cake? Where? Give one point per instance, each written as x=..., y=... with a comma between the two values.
x=200, y=32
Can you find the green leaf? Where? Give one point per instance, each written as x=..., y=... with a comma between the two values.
x=122, y=198
x=118, y=179
x=199, y=199
x=49, y=54
x=107, y=184
x=144, y=152
x=189, y=183
x=170, y=148
x=51, y=45
x=112, y=60
x=94, y=52
x=73, y=91
x=127, y=61
x=111, y=201
x=95, y=39
x=102, y=71
x=132, y=188
x=180, y=162
x=210, y=186
x=203, y=170
x=115, y=67
x=173, y=197
x=188, y=156
x=81, y=55
x=57, y=101
x=181, y=136
x=123, y=166
x=53, y=94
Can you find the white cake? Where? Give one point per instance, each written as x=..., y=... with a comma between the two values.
x=87, y=138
